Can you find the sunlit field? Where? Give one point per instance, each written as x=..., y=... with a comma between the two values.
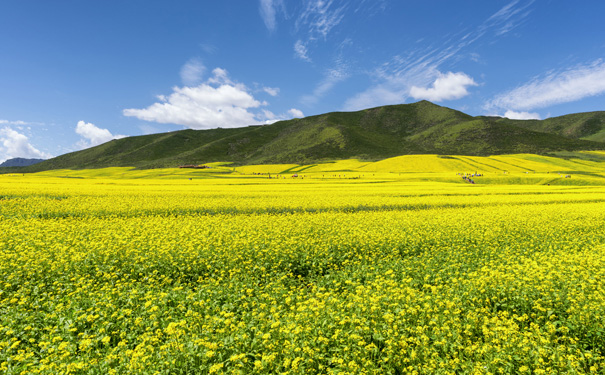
x=393, y=267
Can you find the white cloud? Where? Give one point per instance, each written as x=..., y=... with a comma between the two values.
x=16, y=145
x=218, y=102
x=554, y=88
x=331, y=78
x=149, y=129
x=268, y=117
x=295, y=113
x=421, y=68
x=321, y=16
x=6, y=122
x=300, y=51
x=509, y=17
x=192, y=72
x=522, y=115
x=340, y=71
x=220, y=76
x=447, y=86
x=396, y=78
x=268, y=10
x=93, y=135
x=315, y=22
x=273, y=91
x=374, y=97
x=371, y=7
x=395, y=84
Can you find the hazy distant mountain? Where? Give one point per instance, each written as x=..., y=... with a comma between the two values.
x=371, y=134
x=20, y=162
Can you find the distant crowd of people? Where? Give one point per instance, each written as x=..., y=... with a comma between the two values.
x=467, y=176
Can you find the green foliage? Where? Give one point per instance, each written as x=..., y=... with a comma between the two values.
x=371, y=134
x=250, y=276
x=588, y=125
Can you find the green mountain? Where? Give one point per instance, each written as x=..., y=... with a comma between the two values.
x=589, y=125
x=371, y=134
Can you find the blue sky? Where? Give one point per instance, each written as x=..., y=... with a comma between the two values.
x=77, y=73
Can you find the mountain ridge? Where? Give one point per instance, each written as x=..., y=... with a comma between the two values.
x=370, y=134
x=20, y=162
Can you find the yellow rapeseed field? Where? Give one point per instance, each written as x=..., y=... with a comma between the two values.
x=348, y=268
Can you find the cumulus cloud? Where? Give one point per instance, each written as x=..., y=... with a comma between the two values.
x=295, y=113
x=220, y=76
x=300, y=51
x=554, y=88
x=218, y=102
x=192, y=72
x=273, y=91
x=447, y=86
x=412, y=76
x=522, y=115
x=93, y=135
x=396, y=85
x=16, y=145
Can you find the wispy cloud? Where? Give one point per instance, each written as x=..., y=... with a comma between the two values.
x=554, y=88
x=375, y=96
x=267, y=117
x=6, y=122
x=371, y=7
x=92, y=135
x=394, y=84
x=19, y=123
x=420, y=71
x=273, y=91
x=192, y=72
x=321, y=16
x=331, y=78
x=300, y=51
x=338, y=72
x=268, y=10
x=315, y=22
x=509, y=17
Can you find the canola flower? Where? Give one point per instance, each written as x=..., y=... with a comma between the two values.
x=103, y=276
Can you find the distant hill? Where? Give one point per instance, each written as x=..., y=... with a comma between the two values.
x=371, y=134
x=20, y=162
x=588, y=125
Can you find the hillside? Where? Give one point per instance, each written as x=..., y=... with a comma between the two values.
x=20, y=162
x=371, y=134
x=589, y=125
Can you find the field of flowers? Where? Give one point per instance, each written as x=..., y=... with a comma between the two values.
x=241, y=274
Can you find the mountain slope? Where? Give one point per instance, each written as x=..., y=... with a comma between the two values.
x=371, y=134
x=19, y=162
x=588, y=125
